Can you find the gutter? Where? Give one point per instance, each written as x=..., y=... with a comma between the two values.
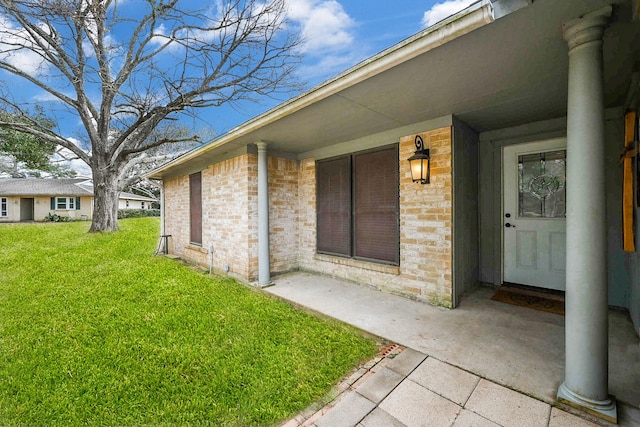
x=473, y=17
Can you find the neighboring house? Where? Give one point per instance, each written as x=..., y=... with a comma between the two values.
x=523, y=106
x=134, y=201
x=32, y=199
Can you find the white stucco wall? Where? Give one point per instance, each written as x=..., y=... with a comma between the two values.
x=42, y=207
x=133, y=204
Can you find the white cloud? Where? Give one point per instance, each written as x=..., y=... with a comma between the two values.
x=325, y=26
x=68, y=158
x=224, y=14
x=41, y=97
x=440, y=11
x=327, y=30
x=25, y=59
x=328, y=33
x=160, y=35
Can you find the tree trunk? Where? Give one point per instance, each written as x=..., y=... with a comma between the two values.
x=105, y=200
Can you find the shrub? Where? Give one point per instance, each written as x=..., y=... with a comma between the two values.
x=57, y=218
x=137, y=213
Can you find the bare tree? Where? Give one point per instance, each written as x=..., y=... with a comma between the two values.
x=124, y=67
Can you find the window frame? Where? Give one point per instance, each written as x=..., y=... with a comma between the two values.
x=195, y=209
x=339, y=216
x=65, y=204
x=70, y=203
x=4, y=206
x=354, y=187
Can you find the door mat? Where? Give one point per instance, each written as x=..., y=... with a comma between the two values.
x=536, y=300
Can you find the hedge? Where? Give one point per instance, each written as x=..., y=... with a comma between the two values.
x=137, y=213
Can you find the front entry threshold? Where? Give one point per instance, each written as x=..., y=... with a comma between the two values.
x=604, y=409
x=533, y=298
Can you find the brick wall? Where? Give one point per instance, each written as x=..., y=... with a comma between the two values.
x=425, y=229
x=230, y=212
x=283, y=214
x=426, y=221
x=176, y=216
x=230, y=216
x=307, y=214
x=225, y=217
x=227, y=223
x=252, y=217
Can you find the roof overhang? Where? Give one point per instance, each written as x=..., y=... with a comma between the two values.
x=489, y=73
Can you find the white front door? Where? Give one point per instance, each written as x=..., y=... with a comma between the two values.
x=533, y=215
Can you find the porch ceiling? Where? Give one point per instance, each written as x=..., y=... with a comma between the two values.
x=509, y=72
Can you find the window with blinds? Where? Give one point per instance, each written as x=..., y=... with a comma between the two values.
x=195, y=207
x=357, y=205
x=333, y=201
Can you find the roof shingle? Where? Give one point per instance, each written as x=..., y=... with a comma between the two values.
x=45, y=187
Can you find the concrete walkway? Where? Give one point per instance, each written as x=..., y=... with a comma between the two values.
x=484, y=363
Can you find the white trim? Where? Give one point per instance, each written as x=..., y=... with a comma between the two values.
x=69, y=203
x=510, y=189
x=264, y=267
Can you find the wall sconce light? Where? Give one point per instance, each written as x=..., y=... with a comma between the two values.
x=420, y=163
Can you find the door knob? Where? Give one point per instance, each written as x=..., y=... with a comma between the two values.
x=509, y=225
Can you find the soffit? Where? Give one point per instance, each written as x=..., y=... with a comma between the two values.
x=510, y=72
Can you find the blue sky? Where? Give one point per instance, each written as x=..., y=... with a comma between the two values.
x=340, y=34
x=337, y=33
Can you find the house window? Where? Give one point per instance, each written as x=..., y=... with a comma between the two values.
x=142, y=204
x=195, y=207
x=357, y=205
x=65, y=203
x=126, y=203
x=3, y=207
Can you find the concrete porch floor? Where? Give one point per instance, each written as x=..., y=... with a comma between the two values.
x=500, y=344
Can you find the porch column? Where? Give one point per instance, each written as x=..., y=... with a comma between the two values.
x=264, y=278
x=162, y=216
x=586, y=322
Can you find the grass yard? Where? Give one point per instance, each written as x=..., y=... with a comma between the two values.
x=96, y=330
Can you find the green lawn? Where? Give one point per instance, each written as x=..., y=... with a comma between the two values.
x=96, y=330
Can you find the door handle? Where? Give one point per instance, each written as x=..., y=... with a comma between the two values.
x=509, y=225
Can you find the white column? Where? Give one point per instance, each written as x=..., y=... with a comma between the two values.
x=586, y=322
x=162, y=217
x=264, y=278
